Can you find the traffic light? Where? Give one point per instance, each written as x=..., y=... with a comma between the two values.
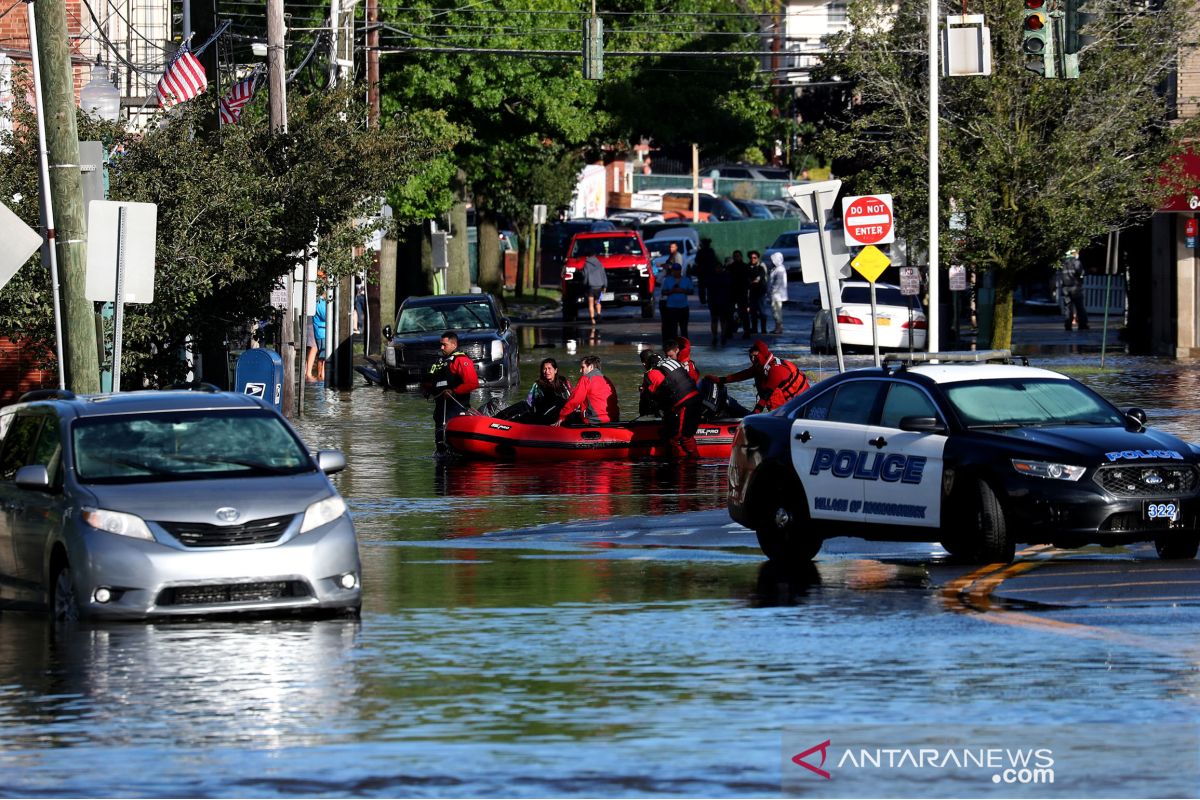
x=593, y=49
x=1038, y=39
x=1074, y=39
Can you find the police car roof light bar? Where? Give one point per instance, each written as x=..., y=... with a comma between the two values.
x=953, y=357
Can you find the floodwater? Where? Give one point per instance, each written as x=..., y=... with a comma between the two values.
x=493, y=664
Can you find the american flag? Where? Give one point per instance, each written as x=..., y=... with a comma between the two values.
x=242, y=92
x=183, y=80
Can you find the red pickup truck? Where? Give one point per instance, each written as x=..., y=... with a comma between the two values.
x=626, y=263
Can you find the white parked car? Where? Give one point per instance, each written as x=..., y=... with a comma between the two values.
x=900, y=318
x=687, y=239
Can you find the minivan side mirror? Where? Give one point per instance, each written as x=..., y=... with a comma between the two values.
x=331, y=461
x=387, y=331
x=34, y=477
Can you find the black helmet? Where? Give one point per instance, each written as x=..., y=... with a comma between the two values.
x=650, y=359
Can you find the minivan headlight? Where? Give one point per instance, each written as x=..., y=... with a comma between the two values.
x=497, y=349
x=322, y=512
x=1046, y=469
x=118, y=522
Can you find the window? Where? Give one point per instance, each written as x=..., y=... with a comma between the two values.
x=18, y=446
x=1013, y=403
x=903, y=401
x=851, y=403
x=837, y=12
x=191, y=445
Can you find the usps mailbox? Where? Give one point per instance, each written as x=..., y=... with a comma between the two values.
x=259, y=373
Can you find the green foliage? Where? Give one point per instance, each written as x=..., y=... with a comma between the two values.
x=1035, y=165
x=237, y=209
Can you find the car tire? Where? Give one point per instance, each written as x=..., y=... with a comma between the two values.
x=64, y=603
x=784, y=529
x=570, y=311
x=648, y=310
x=994, y=541
x=1178, y=547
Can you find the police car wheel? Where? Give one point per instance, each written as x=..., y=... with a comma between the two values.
x=1178, y=547
x=783, y=531
x=994, y=543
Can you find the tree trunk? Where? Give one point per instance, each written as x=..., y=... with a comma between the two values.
x=491, y=271
x=1003, y=319
x=458, y=278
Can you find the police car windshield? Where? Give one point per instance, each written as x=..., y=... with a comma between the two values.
x=172, y=446
x=1021, y=403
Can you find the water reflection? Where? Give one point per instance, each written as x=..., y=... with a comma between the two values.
x=267, y=684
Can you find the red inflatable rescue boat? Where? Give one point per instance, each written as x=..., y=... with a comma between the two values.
x=476, y=436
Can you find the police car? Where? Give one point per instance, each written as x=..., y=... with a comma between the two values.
x=976, y=456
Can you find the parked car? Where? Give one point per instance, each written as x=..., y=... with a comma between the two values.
x=165, y=504
x=484, y=334
x=786, y=245
x=686, y=239
x=976, y=456
x=719, y=209
x=784, y=209
x=754, y=209
x=627, y=267
x=901, y=320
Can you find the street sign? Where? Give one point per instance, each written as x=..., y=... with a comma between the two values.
x=20, y=242
x=871, y=263
x=141, y=227
x=868, y=220
x=811, y=262
x=910, y=280
x=809, y=195
x=958, y=278
x=1189, y=231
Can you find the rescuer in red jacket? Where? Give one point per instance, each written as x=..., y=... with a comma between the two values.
x=594, y=398
x=776, y=380
x=668, y=387
x=450, y=382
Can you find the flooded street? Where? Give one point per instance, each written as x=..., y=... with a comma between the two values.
x=542, y=630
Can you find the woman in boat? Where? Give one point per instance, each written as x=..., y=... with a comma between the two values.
x=594, y=398
x=548, y=395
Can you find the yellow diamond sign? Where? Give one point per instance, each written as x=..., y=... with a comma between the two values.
x=871, y=263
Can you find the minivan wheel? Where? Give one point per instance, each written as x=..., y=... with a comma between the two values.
x=64, y=604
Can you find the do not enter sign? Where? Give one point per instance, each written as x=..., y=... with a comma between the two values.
x=868, y=220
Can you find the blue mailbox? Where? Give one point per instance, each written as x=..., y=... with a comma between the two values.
x=260, y=373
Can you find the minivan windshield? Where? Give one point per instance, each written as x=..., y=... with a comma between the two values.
x=185, y=445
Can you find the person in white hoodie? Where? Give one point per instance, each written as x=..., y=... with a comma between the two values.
x=777, y=289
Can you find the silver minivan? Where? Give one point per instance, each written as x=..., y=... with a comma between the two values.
x=164, y=504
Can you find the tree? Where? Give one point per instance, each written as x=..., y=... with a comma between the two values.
x=237, y=209
x=1035, y=165
x=510, y=75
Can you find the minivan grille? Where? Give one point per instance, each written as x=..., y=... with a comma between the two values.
x=212, y=594
x=200, y=534
x=1148, y=480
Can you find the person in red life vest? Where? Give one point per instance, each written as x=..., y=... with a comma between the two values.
x=450, y=382
x=680, y=349
x=594, y=398
x=671, y=389
x=776, y=380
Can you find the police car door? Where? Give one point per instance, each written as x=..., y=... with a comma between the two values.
x=905, y=487
x=828, y=440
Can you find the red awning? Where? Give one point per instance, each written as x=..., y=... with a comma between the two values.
x=1182, y=173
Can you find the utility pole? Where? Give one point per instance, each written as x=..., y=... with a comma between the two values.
x=277, y=112
x=372, y=63
x=66, y=195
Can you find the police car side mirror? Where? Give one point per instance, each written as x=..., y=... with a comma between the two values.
x=331, y=461
x=922, y=425
x=387, y=331
x=1137, y=417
